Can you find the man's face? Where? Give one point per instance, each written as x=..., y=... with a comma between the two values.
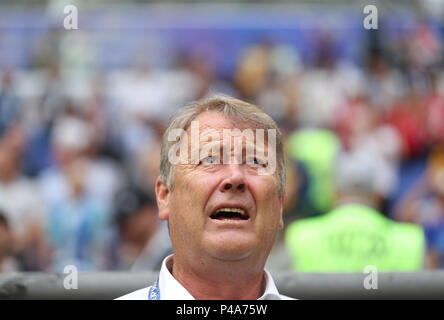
x=249, y=204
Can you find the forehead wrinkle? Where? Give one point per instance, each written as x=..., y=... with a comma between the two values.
x=210, y=143
x=214, y=128
x=210, y=140
x=228, y=122
x=209, y=134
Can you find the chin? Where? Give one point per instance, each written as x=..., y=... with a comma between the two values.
x=231, y=249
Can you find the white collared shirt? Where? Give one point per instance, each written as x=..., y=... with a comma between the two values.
x=171, y=289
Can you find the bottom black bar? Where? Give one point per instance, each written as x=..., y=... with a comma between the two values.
x=215, y=309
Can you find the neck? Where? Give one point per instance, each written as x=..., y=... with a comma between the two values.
x=225, y=281
x=352, y=199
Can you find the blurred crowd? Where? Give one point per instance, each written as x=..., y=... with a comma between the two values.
x=80, y=145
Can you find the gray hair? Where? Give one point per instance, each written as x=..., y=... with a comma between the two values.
x=235, y=110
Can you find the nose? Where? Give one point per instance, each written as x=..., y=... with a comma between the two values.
x=235, y=179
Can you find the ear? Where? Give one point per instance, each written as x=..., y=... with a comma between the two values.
x=162, y=197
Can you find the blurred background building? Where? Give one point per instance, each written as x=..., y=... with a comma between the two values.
x=82, y=112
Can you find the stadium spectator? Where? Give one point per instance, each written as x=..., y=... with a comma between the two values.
x=78, y=191
x=7, y=261
x=143, y=240
x=385, y=83
x=424, y=204
x=434, y=111
x=316, y=150
x=22, y=203
x=10, y=106
x=355, y=234
x=407, y=117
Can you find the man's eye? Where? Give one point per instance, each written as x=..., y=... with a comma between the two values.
x=209, y=160
x=257, y=162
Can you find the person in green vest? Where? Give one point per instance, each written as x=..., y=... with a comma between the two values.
x=354, y=234
x=315, y=149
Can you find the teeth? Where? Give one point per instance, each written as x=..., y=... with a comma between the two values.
x=238, y=210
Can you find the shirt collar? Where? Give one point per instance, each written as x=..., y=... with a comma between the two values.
x=171, y=289
x=271, y=292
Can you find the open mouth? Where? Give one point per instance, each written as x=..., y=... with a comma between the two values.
x=230, y=214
